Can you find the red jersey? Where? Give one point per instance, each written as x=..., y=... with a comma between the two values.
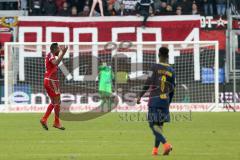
x=51, y=69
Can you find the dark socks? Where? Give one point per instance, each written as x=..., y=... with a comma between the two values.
x=158, y=134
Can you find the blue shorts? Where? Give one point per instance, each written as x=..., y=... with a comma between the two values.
x=158, y=115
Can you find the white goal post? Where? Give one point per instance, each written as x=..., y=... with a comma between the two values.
x=196, y=64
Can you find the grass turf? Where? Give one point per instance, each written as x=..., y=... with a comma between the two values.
x=120, y=136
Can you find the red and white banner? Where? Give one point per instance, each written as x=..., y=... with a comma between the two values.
x=105, y=29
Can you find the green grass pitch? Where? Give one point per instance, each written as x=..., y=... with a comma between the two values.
x=117, y=136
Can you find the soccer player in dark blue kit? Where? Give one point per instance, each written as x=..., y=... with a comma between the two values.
x=161, y=84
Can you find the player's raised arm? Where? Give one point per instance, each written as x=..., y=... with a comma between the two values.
x=60, y=54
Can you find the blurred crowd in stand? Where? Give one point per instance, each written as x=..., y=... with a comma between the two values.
x=115, y=7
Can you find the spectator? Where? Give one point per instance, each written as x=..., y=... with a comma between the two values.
x=199, y=4
x=166, y=1
x=195, y=9
x=74, y=11
x=50, y=8
x=111, y=10
x=1, y=55
x=64, y=11
x=143, y=8
x=9, y=5
x=94, y=5
x=105, y=7
x=35, y=7
x=117, y=5
x=22, y=4
x=221, y=7
x=174, y=4
x=1, y=49
x=130, y=6
x=111, y=2
x=96, y=14
x=179, y=11
x=121, y=11
x=78, y=3
x=163, y=8
x=85, y=11
x=169, y=10
x=208, y=7
x=59, y=4
x=157, y=5
x=186, y=6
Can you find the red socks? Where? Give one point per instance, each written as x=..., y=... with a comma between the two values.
x=48, y=112
x=57, y=111
x=56, y=108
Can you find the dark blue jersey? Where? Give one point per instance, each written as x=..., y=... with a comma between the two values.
x=161, y=83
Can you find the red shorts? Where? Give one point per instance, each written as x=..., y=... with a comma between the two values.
x=52, y=87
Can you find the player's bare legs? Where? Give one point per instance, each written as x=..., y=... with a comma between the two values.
x=94, y=5
x=101, y=7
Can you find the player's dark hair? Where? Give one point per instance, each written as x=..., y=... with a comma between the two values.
x=163, y=52
x=53, y=47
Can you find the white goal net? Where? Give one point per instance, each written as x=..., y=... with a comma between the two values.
x=195, y=64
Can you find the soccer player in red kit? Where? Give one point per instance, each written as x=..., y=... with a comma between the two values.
x=51, y=84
